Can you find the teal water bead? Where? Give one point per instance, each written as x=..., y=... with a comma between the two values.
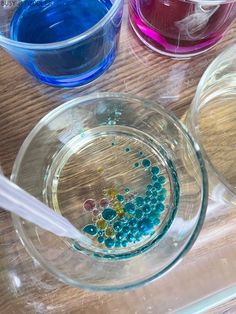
x=146, y=226
x=100, y=239
x=155, y=170
x=117, y=244
x=125, y=229
x=120, y=236
x=154, y=193
x=147, y=200
x=141, y=154
x=154, y=178
x=157, y=186
x=139, y=201
x=138, y=214
x=161, y=198
x=153, y=200
x=127, y=149
x=91, y=230
x=133, y=222
x=148, y=193
x=149, y=187
x=146, y=163
x=163, y=191
x=126, y=190
x=138, y=236
x=124, y=243
x=154, y=214
x=147, y=209
x=117, y=226
x=129, y=208
x=100, y=232
x=156, y=221
x=109, y=242
x=160, y=207
x=109, y=214
x=120, y=198
x=136, y=164
x=162, y=179
x=130, y=238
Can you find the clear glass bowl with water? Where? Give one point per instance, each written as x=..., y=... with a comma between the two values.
x=127, y=174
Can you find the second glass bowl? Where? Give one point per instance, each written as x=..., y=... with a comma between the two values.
x=127, y=174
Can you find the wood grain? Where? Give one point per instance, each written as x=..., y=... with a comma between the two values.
x=25, y=286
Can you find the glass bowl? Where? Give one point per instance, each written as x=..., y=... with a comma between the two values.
x=128, y=175
x=212, y=121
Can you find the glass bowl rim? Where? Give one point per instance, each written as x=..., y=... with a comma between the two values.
x=64, y=43
x=195, y=232
x=194, y=112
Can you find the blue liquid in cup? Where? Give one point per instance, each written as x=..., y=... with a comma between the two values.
x=52, y=21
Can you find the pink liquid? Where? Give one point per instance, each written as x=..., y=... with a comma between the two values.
x=176, y=27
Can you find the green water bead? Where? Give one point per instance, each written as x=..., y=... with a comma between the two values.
x=120, y=198
x=109, y=242
x=155, y=170
x=90, y=229
x=129, y=208
x=109, y=214
x=162, y=180
x=146, y=163
x=100, y=239
x=136, y=164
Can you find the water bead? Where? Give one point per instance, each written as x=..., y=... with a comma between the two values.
x=117, y=226
x=96, y=212
x=112, y=193
x=146, y=226
x=100, y=239
x=155, y=170
x=139, y=201
x=162, y=179
x=127, y=149
x=100, y=232
x=153, y=200
x=124, y=243
x=156, y=221
x=157, y=186
x=154, y=178
x=117, y=244
x=141, y=154
x=149, y=187
x=160, y=207
x=130, y=238
x=133, y=222
x=129, y=208
x=90, y=229
x=104, y=202
x=163, y=191
x=146, y=209
x=120, y=198
x=136, y=164
x=126, y=190
x=154, y=193
x=101, y=224
x=110, y=232
x=120, y=236
x=147, y=200
x=148, y=193
x=146, y=163
x=89, y=204
x=109, y=214
x=161, y=198
x=125, y=229
x=138, y=214
x=109, y=243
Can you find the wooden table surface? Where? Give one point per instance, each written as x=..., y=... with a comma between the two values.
x=25, y=287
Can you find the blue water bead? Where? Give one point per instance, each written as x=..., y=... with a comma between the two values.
x=161, y=198
x=148, y=193
x=157, y=186
x=146, y=163
x=139, y=201
x=120, y=236
x=146, y=226
x=91, y=229
x=109, y=214
x=109, y=242
x=160, y=207
x=100, y=239
x=117, y=226
x=129, y=208
x=138, y=214
x=162, y=179
x=120, y=198
x=147, y=208
x=155, y=170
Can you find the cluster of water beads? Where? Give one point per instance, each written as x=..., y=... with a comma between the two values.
x=124, y=218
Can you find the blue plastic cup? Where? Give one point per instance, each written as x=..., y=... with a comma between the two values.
x=70, y=62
